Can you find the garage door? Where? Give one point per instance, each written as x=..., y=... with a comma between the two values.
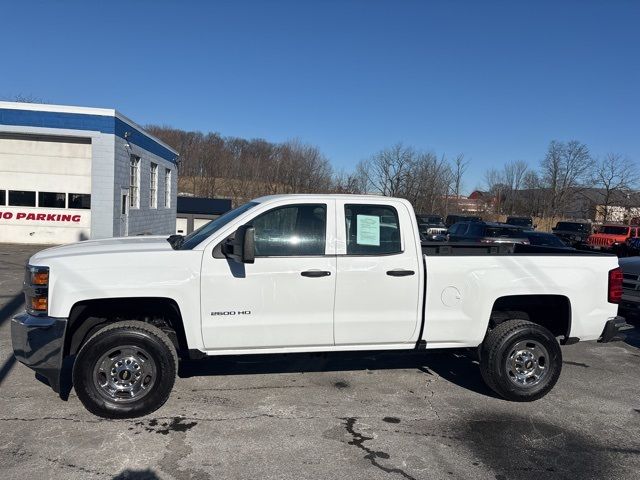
x=45, y=189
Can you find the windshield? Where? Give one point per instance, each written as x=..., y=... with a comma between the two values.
x=572, y=227
x=430, y=219
x=197, y=236
x=545, y=240
x=504, y=232
x=614, y=230
x=522, y=222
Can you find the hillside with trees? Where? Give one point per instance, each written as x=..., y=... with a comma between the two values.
x=567, y=175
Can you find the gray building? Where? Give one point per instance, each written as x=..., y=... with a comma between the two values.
x=73, y=173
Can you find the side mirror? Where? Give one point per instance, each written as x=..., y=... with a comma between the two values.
x=241, y=247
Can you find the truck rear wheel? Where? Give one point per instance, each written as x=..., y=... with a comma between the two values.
x=125, y=370
x=520, y=360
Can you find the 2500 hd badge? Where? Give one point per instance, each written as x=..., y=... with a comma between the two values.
x=232, y=312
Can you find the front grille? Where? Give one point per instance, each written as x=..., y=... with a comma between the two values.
x=601, y=241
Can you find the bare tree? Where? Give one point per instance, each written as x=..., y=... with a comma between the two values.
x=512, y=176
x=458, y=167
x=23, y=98
x=613, y=174
x=565, y=170
x=216, y=166
x=348, y=182
x=495, y=184
x=388, y=171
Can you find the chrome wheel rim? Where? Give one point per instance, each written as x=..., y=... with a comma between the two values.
x=527, y=363
x=125, y=374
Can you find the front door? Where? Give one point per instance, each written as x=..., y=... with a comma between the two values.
x=284, y=299
x=379, y=275
x=124, y=212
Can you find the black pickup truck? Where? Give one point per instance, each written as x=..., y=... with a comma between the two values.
x=573, y=234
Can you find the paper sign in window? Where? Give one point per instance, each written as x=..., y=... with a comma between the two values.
x=368, y=230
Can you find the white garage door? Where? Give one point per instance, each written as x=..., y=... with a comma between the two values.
x=45, y=189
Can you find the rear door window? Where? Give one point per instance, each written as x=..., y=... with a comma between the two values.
x=372, y=230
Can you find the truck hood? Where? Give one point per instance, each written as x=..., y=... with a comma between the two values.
x=108, y=245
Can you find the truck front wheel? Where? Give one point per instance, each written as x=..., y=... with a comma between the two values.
x=520, y=360
x=125, y=370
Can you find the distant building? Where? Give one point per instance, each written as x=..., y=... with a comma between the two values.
x=74, y=173
x=477, y=202
x=195, y=212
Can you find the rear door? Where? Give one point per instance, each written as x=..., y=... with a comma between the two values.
x=379, y=274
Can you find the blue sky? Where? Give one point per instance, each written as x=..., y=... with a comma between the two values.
x=493, y=80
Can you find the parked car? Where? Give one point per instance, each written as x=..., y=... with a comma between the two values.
x=487, y=232
x=526, y=222
x=610, y=236
x=630, y=303
x=630, y=248
x=451, y=219
x=542, y=239
x=573, y=234
x=432, y=227
x=302, y=273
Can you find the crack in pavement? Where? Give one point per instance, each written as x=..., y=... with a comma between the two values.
x=358, y=440
x=20, y=452
x=245, y=388
x=199, y=419
x=75, y=420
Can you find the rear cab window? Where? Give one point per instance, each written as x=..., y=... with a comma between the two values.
x=372, y=229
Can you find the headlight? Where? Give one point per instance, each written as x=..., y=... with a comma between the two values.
x=36, y=290
x=39, y=276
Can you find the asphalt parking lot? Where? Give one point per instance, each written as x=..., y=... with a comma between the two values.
x=364, y=415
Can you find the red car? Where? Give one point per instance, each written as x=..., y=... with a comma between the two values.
x=609, y=236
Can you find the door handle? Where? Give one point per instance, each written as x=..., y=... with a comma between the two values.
x=315, y=273
x=400, y=273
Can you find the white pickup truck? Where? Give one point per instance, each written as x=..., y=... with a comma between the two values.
x=304, y=273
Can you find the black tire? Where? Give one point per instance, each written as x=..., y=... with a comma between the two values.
x=520, y=360
x=144, y=355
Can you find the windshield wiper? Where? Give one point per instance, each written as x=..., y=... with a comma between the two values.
x=176, y=241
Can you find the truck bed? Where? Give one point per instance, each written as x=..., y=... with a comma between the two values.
x=478, y=249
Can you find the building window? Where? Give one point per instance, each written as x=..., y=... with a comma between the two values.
x=134, y=182
x=167, y=188
x=51, y=200
x=3, y=197
x=153, y=186
x=80, y=200
x=21, y=198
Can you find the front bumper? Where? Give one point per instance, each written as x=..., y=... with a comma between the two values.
x=612, y=328
x=38, y=343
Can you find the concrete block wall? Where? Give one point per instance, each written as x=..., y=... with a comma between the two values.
x=144, y=220
x=102, y=180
